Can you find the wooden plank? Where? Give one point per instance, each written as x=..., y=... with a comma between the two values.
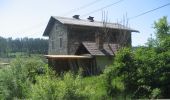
x=67, y=57
x=4, y=63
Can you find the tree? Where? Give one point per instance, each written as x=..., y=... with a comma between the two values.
x=144, y=72
x=3, y=47
x=27, y=45
x=162, y=31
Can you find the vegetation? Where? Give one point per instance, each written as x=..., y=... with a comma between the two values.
x=138, y=74
x=32, y=79
x=145, y=72
x=24, y=45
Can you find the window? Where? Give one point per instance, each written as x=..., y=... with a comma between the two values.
x=61, y=42
x=60, y=33
x=52, y=43
x=56, y=27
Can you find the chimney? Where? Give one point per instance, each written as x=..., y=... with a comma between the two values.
x=90, y=19
x=99, y=41
x=76, y=16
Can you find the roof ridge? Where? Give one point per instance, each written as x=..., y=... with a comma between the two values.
x=85, y=20
x=86, y=23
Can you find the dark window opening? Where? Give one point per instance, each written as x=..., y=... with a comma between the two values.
x=52, y=43
x=56, y=27
x=61, y=40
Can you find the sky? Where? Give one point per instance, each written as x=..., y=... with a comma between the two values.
x=29, y=18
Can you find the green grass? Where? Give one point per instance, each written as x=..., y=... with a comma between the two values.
x=95, y=85
x=22, y=55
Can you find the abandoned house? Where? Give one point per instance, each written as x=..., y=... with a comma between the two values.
x=90, y=44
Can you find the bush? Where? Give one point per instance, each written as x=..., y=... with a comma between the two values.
x=29, y=79
x=49, y=86
x=67, y=87
x=143, y=73
x=119, y=76
x=17, y=78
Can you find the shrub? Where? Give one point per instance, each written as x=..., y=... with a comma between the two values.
x=68, y=87
x=49, y=86
x=143, y=73
x=17, y=78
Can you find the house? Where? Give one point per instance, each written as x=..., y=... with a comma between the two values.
x=78, y=40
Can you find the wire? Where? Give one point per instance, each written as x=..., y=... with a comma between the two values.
x=130, y=18
x=82, y=7
x=77, y=9
x=71, y=11
x=102, y=8
x=149, y=11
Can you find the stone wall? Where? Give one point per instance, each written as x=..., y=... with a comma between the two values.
x=71, y=37
x=58, y=34
x=77, y=36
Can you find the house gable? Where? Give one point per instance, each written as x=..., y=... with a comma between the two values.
x=57, y=33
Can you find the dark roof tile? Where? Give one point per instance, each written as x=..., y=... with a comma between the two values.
x=108, y=49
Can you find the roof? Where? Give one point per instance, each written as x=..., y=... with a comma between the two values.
x=66, y=57
x=82, y=22
x=108, y=49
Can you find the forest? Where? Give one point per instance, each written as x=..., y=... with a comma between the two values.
x=26, y=45
x=140, y=73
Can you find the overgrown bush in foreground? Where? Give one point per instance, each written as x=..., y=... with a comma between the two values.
x=16, y=79
x=29, y=79
x=145, y=72
x=68, y=87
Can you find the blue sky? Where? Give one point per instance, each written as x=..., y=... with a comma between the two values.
x=28, y=18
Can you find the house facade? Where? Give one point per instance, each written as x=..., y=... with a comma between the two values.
x=66, y=34
x=96, y=41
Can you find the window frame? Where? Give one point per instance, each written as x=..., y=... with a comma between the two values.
x=60, y=42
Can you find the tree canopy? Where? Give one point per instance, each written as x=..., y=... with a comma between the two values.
x=27, y=45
